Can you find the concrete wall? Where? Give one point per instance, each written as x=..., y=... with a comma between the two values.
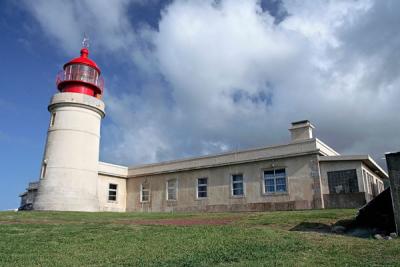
x=326, y=167
x=348, y=200
x=300, y=185
x=112, y=174
x=102, y=191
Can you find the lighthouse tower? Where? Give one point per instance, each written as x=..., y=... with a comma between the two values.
x=69, y=170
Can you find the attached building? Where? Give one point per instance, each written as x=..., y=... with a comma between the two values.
x=303, y=174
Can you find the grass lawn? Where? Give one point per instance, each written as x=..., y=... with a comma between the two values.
x=185, y=239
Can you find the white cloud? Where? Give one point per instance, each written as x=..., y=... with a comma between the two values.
x=222, y=75
x=65, y=22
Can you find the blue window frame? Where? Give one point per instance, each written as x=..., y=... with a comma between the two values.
x=275, y=181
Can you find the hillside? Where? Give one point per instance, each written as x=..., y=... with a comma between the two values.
x=299, y=238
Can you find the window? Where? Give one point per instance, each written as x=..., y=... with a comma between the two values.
x=171, y=189
x=379, y=187
x=342, y=182
x=43, y=170
x=80, y=72
x=52, y=119
x=373, y=185
x=370, y=183
x=112, y=192
x=145, y=192
x=275, y=181
x=365, y=181
x=202, y=184
x=237, y=185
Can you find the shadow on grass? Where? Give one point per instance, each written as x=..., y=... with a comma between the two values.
x=312, y=227
x=346, y=227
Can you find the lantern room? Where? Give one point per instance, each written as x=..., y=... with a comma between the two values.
x=81, y=75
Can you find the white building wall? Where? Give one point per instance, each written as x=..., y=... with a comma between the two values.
x=299, y=195
x=70, y=164
x=103, y=191
x=112, y=174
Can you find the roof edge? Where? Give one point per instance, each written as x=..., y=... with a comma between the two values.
x=366, y=159
x=224, y=164
x=114, y=170
x=219, y=154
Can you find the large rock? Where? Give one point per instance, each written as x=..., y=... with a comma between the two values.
x=378, y=213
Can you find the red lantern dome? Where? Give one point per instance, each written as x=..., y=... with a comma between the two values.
x=81, y=75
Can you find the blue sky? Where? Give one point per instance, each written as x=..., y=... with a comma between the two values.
x=186, y=78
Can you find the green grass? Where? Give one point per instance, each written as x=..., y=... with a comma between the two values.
x=117, y=239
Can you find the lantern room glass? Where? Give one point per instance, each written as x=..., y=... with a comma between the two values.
x=80, y=72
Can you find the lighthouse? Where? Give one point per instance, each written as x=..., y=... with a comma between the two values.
x=69, y=169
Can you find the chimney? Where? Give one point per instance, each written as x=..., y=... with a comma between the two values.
x=301, y=130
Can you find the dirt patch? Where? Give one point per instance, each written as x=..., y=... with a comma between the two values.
x=182, y=222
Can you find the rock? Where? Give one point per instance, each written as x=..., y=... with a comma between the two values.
x=338, y=229
x=393, y=235
x=388, y=238
x=378, y=236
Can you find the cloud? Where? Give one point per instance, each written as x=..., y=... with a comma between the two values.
x=65, y=22
x=221, y=75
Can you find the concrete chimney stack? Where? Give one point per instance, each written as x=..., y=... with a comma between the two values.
x=301, y=130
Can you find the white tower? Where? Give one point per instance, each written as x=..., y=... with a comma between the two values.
x=69, y=173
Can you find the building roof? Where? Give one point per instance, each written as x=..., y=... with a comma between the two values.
x=298, y=148
x=109, y=169
x=293, y=149
x=366, y=159
x=83, y=59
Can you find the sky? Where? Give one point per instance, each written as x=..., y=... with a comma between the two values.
x=196, y=77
